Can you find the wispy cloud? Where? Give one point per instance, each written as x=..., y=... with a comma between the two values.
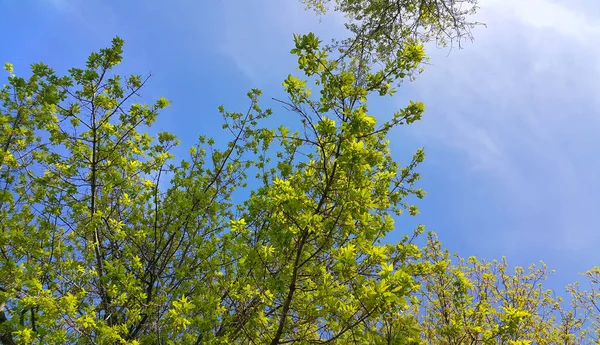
x=520, y=105
x=67, y=7
x=93, y=16
x=258, y=35
x=560, y=16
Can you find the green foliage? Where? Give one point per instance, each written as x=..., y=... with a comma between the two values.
x=383, y=30
x=107, y=240
x=469, y=301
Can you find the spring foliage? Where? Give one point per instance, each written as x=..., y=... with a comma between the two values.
x=95, y=248
x=106, y=238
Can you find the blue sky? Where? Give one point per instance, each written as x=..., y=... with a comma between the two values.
x=512, y=128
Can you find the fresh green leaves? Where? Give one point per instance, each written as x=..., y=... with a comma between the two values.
x=106, y=239
x=273, y=237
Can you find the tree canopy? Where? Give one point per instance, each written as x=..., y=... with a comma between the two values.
x=380, y=29
x=108, y=238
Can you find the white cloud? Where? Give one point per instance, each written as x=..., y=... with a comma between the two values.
x=68, y=8
x=541, y=14
x=93, y=16
x=520, y=104
x=258, y=34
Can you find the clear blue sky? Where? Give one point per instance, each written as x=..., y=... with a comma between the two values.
x=512, y=128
